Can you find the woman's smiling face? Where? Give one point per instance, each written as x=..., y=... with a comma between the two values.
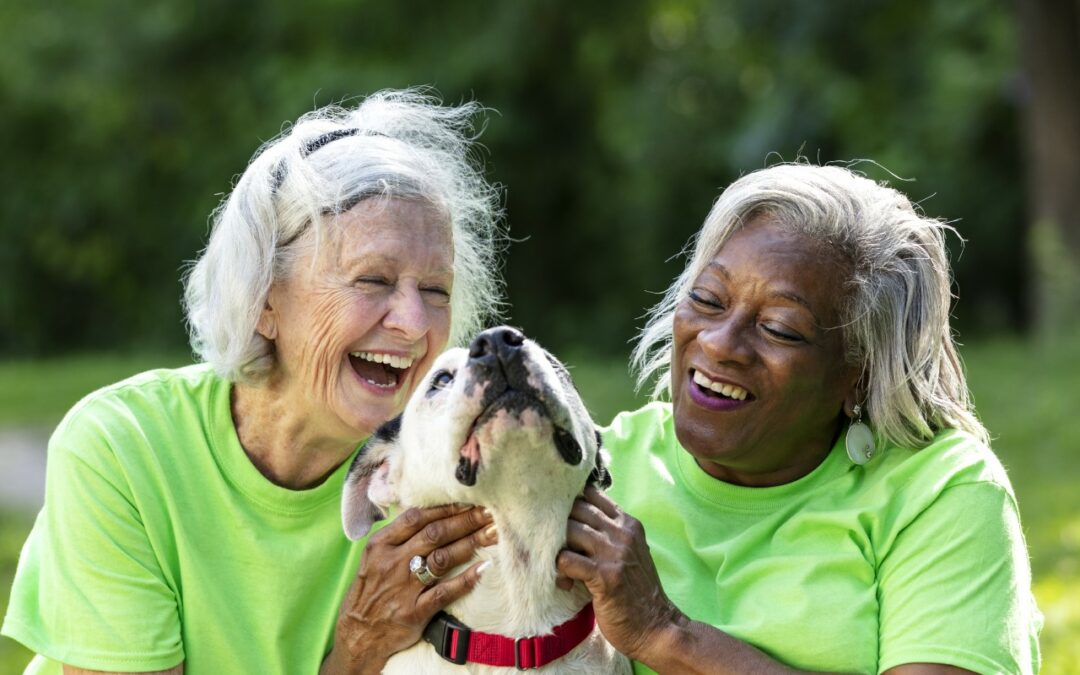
x=361, y=318
x=759, y=376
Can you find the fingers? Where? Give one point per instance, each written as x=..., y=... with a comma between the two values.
x=441, y=532
x=583, y=538
x=584, y=512
x=573, y=565
x=435, y=526
x=448, y=590
x=597, y=498
x=442, y=560
x=406, y=525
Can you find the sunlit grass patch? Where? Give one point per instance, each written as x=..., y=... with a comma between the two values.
x=39, y=392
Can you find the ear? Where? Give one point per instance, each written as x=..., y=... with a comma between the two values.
x=369, y=490
x=856, y=395
x=266, y=326
x=599, y=475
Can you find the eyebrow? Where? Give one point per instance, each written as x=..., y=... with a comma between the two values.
x=785, y=295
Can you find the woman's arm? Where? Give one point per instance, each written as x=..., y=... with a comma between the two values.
x=607, y=551
x=387, y=608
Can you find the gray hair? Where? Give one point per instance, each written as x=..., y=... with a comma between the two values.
x=394, y=144
x=895, y=309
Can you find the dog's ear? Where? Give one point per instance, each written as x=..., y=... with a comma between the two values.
x=599, y=475
x=369, y=491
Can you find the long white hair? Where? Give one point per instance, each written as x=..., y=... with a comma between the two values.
x=402, y=144
x=895, y=308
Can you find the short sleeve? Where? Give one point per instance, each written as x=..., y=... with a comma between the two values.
x=955, y=586
x=89, y=590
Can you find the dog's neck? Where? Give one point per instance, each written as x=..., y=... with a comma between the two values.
x=517, y=595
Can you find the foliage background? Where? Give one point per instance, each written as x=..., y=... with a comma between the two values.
x=617, y=124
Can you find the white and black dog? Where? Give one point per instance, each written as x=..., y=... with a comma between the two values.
x=499, y=425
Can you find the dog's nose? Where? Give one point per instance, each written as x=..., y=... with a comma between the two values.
x=502, y=343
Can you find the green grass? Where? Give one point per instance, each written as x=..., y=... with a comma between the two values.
x=34, y=393
x=1025, y=394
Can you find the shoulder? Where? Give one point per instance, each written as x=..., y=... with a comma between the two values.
x=632, y=428
x=638, y=444
x=955, y=479
x=951, y=459
x=134, y=408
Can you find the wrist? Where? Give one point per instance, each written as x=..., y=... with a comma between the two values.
x=668, y=638
x=340, y=661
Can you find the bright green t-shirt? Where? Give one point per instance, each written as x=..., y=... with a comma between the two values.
x=160, y=542
x=917, y=556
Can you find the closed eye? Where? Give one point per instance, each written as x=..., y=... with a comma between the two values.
x=783, y=334
x=705, y=299
x=374, y=281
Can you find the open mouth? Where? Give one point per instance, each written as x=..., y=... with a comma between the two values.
x=384, y=371
x=721, y=392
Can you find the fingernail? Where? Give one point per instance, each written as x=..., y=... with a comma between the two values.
x=490, y=533
x=483, y=567
x=487, y=513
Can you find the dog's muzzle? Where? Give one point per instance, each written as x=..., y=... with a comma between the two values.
x=498, y=359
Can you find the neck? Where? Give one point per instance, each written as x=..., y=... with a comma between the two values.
x=517, y=595
x=282, y=443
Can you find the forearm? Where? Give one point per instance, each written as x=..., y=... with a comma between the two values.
x=340, y=662
x=688, y=647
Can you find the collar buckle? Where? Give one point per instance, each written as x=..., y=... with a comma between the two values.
x=528, y=661
x=450, y=638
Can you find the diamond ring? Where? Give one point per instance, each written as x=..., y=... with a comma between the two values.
x=418, y=566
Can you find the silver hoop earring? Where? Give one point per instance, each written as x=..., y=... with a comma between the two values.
x=859, y=440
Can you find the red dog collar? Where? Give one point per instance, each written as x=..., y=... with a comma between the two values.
x=456, y=643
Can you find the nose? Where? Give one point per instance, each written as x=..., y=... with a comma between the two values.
x=408, y=314
x=501, y=344
x=727, y=340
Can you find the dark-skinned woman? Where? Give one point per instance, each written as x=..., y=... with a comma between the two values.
x=818, y=494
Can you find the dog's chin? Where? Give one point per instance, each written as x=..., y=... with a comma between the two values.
x=495, y=429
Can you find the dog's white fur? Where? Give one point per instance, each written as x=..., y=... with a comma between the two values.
x=522, y=479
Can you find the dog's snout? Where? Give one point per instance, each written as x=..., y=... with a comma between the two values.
x=502, y=343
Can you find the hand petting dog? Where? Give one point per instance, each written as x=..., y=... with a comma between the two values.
x=386, y=609
x=606, y=550
x=499, y=425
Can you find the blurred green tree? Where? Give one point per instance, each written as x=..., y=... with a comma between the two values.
x=1051, y=49
x=618, y=124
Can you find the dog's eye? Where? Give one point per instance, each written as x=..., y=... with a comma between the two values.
x=442, y=380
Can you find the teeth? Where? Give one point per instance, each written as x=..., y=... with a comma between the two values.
x=729, y=390
x=399, y=362
x=389, y=385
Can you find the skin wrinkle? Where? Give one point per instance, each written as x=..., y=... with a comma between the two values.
x=799, y=387
x=314, y=403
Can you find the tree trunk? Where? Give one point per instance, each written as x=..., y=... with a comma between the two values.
x=1050, y=44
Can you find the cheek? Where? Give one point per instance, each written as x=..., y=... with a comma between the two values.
x=439, y=320
x=333, y=321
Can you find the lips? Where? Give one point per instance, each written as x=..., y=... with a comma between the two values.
x=469, y=461
x=715, y=394
x=381, y=370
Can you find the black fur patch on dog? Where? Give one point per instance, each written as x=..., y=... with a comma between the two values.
x=466, y=472
x=568, y=447
x=599, y=476
x=389, y=430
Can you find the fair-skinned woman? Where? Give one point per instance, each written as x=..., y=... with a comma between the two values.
x=192, y=519
x=758, y=529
